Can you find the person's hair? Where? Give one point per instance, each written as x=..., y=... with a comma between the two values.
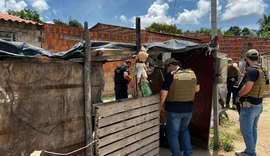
x=127, y=61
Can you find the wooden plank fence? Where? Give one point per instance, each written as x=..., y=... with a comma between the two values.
x=130, y=127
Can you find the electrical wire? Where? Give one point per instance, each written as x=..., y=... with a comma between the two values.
x=55, y=153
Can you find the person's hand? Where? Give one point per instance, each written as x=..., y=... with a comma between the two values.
x=237, y=99
x=162, y=114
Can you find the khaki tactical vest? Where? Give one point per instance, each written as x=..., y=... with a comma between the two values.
x=183, y=86
x=257, y=90
x=232, y=71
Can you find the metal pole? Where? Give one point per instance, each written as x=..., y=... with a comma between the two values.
x=215, y=94
x=87, y=91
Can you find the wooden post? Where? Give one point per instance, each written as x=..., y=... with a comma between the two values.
x=87, y=92
x=215, y=94
x=138, y=47
x=138, y=34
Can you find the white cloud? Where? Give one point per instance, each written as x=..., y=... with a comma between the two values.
x=193, y=16
x=11, y=5
x=238, y=8
x=123, y=18
x=39, y=5
x=156, y=13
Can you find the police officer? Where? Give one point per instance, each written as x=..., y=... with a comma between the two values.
x=176, y=98
x=121, y=80
x=232, y=78
x=251, y=97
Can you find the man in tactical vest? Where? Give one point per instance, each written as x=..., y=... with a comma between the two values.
x=176, y=97
x=121, y=80
x=251, y=97
x=232, y=78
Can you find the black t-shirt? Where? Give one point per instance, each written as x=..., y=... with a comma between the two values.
x=176, y=107
x=252, y=74
x=119, y=75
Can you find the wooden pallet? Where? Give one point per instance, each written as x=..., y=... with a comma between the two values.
x=130, y=127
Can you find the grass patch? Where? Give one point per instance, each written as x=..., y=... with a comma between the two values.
x=223, y=121
x=225, y=141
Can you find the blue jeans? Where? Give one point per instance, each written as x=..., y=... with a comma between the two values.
x=178, y=133
x=249, y=118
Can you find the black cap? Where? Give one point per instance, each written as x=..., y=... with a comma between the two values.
x=127, y=61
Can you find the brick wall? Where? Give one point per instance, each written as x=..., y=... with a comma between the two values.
x=60, y=38
x=22, y=32
x=104, y=32
x=235, y=46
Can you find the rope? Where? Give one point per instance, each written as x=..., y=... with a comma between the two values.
x=54, y=153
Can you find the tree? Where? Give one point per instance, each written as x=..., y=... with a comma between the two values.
x=164, y=28
x=263, y=22
x=59, y=22
x=75, y=23
x=266, y=31
x=71, y=22
x=207, y=31
x=246, y=32
x=26, y=14
x=203, y=31
x=233, y=31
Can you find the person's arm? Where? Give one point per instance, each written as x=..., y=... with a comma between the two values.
x=126, y=76
x=197, y=88
x=246, y=88
x=163, y=96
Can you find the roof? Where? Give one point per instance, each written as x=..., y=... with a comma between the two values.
x=12, y=18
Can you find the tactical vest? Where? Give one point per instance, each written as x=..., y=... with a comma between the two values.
x=183, y=86
x=232, y=71
x=257, y=90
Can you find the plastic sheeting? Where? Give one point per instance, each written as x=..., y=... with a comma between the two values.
x=20, y=49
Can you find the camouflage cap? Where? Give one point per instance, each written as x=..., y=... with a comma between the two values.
x=252, y=54
x=171, y=60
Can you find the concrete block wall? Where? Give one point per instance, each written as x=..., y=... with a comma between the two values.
x=23, y=32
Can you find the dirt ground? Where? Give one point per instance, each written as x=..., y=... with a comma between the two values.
x=263, y=142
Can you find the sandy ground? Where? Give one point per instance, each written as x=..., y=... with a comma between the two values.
x=263, y=142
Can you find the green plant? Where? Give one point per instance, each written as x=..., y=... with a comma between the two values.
x=225, y=122
x=225, y=141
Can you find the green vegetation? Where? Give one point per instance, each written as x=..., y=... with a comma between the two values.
x=71, y=22
x=164, y=28
x=26, y=14
x=225, y=141
x=226, y=122
x=225, y=138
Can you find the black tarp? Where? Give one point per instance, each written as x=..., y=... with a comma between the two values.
x=20, y=49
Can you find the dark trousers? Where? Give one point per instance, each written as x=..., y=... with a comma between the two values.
x=231, y=91
x=121, y=91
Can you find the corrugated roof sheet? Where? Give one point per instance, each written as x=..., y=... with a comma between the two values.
x=7, y=17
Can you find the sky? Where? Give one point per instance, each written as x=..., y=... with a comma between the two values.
x=185, y=14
